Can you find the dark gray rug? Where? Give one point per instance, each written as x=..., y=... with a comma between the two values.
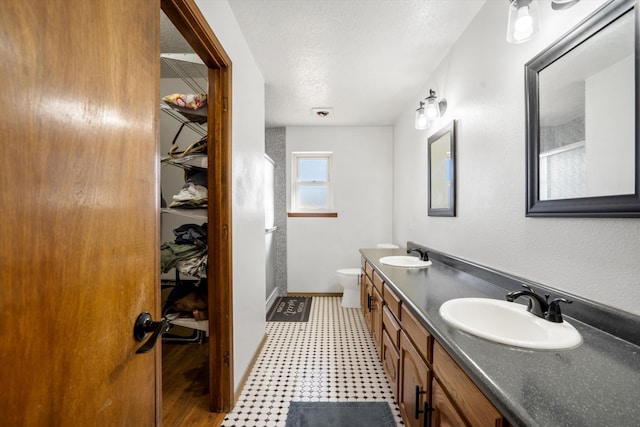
x=290, y=309
x=340, y=414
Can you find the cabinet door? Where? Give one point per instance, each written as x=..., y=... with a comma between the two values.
x=367, y=306
x=414, y=386
x=364, y=295
x=376, y=319
x=470, y=401
x=390, y=362
x=444, y=413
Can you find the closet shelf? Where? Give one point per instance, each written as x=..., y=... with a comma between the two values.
x=188, y=213
x=188, y=162
x=201, y=325
x=193, y=119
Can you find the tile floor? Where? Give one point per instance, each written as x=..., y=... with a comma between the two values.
x=331, y=357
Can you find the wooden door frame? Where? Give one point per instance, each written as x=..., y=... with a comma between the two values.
x=189, y=21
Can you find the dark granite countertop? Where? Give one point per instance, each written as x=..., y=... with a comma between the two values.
x=595, y=384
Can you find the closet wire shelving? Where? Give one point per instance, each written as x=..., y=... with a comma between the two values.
x=191, y=70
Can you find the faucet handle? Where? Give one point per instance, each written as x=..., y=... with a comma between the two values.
x=554, y=314
x=527, y=287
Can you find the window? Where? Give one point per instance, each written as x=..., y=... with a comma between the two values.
x=311, y=183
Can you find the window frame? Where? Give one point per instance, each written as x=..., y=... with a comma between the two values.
x=296, y=209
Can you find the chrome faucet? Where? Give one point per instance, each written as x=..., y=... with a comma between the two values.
x=424, y=254
x=538, y=305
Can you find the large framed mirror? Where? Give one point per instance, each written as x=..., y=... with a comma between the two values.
x=442, y=171
x=582, y=117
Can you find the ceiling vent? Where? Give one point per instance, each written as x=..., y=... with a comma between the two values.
x=322, y=111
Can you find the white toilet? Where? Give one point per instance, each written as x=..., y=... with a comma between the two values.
x=349, y=278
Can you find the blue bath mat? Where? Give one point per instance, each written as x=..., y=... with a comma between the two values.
x=340, y=414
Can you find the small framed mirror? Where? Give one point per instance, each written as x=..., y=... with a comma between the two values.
x=582, y=119
x=442, y=171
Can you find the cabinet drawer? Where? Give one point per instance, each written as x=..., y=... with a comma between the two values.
x=378, y=283
x=417, y=333
x=392, y=327
x=466, y=396
x=368, y=270
x=392, y=300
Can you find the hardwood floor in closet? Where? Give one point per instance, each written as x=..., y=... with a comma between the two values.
x=185, y=392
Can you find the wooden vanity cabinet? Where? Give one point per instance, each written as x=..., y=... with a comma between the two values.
x=457, y=400
x=430, y=388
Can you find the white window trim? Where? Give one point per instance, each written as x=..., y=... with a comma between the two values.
x=295, y=183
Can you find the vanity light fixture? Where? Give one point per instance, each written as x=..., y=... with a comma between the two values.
x=429, y=110
x=421, y=117
x=524, y=20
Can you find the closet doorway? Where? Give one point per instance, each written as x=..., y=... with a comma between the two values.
x=190, y=23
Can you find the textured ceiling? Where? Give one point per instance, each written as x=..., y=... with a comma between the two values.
x=171, y=41
x=366, y=59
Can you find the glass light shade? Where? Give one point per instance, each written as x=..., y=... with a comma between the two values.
x=524, y=20
x=421, y=117
x=433, y=110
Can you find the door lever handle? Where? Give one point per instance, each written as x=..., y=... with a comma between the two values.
x=145, y=325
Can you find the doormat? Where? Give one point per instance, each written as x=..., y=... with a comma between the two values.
x=340, y=414
x=290, y=309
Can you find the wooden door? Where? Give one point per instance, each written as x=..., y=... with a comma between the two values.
x=79, y=199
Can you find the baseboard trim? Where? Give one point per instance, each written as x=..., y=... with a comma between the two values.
x=247, y=372
x=314, y=294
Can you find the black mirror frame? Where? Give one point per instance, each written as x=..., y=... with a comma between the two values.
x=619, y=206
x=451, y=130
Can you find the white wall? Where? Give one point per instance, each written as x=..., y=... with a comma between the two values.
x=248, y=188
x=483, y=81
x=362, y=185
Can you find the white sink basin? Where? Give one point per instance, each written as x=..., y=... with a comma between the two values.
x=405, y=261
x=508, y=323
